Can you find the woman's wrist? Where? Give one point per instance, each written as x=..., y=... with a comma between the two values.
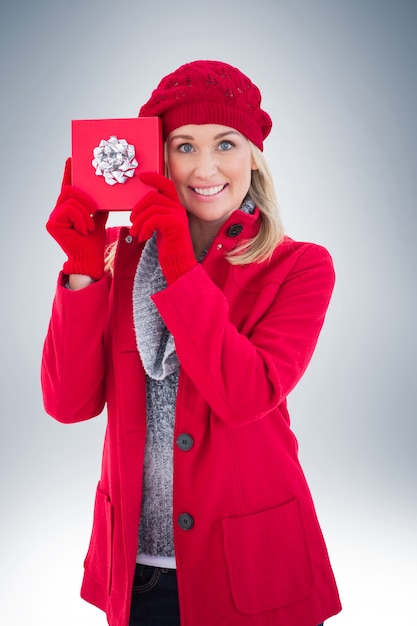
x=79, y=281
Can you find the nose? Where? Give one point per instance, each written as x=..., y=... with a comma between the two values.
x=205, y=166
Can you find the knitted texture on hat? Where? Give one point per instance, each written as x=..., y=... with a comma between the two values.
x=209, y=92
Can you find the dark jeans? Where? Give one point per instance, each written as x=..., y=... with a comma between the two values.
x=155, y=597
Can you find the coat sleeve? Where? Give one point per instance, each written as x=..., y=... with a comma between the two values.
x=245, y=376
x=73, y=359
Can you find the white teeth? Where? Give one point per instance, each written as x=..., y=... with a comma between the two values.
x=209, y=191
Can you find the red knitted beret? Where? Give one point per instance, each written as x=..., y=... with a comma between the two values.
x=209, y=92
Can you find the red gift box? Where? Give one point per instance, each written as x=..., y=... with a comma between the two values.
x=116, y=150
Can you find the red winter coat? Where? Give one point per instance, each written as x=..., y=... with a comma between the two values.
x=255, y=555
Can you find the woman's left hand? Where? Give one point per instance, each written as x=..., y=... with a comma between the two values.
x=160, y=211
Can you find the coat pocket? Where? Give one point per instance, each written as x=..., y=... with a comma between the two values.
x=267, y=558
x=98, y=562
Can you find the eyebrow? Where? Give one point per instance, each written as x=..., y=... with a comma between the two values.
x=228, y=132
x=216, y=137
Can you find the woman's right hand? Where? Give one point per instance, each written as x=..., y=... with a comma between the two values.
x=79, y=229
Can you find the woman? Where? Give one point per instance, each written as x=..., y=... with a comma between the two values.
x=193, y=332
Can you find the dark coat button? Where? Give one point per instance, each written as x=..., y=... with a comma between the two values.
x=235, y=230
x=185, y=521
x=185, y=442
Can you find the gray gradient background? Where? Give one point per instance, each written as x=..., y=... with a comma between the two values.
x=338, y=79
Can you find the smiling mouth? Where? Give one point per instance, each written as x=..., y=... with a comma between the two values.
x=208, y=191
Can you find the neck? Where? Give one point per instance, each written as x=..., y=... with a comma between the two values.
x=202, y=234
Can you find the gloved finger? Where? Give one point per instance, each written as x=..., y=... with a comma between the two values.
x=150, y=213
x=67, y=177
x=144, y=230
x=165, y=212
x=163, y=184
x=73, y=193
x=153, y=199
x=70, y=215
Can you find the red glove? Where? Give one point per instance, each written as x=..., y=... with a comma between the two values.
x=161, y=211
x=79, y=229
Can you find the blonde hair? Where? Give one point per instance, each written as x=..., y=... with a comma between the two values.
x=109, y=256
x=271, y=231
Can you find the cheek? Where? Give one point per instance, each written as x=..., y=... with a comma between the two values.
x=175, y=175
x=178, y=181
x=242, y=170
x=243, y=177
x=174, y=168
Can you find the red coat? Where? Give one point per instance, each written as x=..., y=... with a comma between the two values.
x=244, y=336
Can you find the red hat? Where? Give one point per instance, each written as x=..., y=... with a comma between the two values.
x=209, y=92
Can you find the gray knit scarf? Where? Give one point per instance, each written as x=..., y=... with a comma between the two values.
x=155, y=344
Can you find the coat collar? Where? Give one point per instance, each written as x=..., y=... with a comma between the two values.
x=239, y=226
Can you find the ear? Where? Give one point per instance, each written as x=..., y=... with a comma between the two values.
x=253, y=165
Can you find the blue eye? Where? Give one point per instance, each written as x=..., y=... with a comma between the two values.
x=185, y=147
x=225, y=145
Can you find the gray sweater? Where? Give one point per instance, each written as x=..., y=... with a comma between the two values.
x=157, y=351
